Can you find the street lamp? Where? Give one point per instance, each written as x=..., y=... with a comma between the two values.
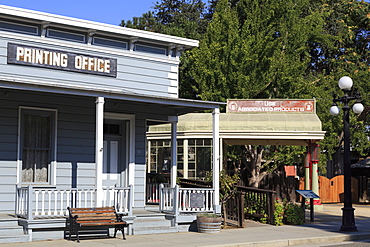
x=345, y=83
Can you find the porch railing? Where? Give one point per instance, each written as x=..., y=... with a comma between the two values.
x=36, y=202
x=181, y=200
x=233, y=209
x=152, y=192
x=259, y=203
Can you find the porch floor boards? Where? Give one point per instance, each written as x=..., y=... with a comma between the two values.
x=7, y=217
x=148, y=210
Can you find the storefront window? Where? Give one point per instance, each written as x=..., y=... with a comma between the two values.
x=198, y=153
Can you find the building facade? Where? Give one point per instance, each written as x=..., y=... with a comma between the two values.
x=76, y=99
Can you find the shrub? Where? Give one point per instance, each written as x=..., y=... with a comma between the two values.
x=293, y=214
x=279, y=213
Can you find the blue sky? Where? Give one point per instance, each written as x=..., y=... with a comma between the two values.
x=105, y=11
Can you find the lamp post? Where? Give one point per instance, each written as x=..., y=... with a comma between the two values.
x=345, y=83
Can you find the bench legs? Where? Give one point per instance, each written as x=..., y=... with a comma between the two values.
x=120, y=228
x=74, y=229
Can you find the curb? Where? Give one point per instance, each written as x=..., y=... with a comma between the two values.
x=300, y=241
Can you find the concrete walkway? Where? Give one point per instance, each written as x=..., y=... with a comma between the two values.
x=325, y=229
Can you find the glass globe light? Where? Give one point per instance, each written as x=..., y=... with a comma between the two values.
x=334, y=110
x=345, y=83
x=358, y=107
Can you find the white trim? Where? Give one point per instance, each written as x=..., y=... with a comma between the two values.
x=173, y=153
x=99, y=146
x=271, y=135
x=52, y=174
x=174, y=83
x=173, y=90
x=186, y=158
x=216, y=154
x=173, y=76
x=84, y=24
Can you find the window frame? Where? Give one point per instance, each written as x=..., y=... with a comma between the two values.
x=53, y=142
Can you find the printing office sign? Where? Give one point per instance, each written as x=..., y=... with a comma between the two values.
x=62, y=60
x=271, y=106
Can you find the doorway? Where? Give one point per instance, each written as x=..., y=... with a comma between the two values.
x=115, y=158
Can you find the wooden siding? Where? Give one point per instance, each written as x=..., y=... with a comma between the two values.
x=135, y=74
x=75, y=159
x=8, y=180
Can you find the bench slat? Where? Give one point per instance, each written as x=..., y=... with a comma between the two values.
x=94, y=212
x=100, y=216
x=102, y=224
x=97, y=214
x=95, y=221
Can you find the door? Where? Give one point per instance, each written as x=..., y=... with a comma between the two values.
x=114, y=154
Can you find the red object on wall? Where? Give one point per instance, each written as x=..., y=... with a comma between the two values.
x=290, y=171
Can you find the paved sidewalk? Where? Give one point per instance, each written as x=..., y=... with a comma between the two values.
x=325, y=229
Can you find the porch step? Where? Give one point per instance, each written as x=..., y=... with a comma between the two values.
x=11, y=232
x=153, y=224
x=154, y=230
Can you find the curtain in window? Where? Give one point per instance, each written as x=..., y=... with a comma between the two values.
x=36, y=147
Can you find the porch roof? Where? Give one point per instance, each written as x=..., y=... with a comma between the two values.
x=174, y=106
x=269, y=128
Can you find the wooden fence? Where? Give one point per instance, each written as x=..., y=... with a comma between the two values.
x=250, y=203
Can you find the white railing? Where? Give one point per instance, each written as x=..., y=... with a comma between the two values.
x=34, y=202
x=152, y=192
x=180, y=200
x=195, y=200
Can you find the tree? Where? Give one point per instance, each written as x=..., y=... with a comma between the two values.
x=184, y=18
x=344, y=52
x=272, y=49
x=255, y=49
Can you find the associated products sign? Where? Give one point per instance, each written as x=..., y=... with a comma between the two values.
x=271, y=106
x=62, y=60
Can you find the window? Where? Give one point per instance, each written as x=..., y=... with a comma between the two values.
x=65, y=35
x=199, y=158
x=193, y=159
x=18, y=27
x=37, y=149
x=151, y=49
x=109, y=42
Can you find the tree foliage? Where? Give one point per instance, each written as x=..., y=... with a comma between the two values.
x=273, y=49
x=184, y=18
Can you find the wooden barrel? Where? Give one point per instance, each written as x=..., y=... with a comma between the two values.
x=208, y=224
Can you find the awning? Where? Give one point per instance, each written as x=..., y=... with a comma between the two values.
x=269, y=128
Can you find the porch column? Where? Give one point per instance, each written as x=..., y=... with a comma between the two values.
x=314, y=155
x=99, y=139
x=173, y=120
x=307, y=176
x=216, y=158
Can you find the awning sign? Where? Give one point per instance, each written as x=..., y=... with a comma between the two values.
x=297, y=106
x=62, y=60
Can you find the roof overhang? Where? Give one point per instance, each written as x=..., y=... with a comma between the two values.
x=244, y=129
x=176, y=106
x=85, y=25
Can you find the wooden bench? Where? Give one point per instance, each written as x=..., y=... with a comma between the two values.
x=94, y=217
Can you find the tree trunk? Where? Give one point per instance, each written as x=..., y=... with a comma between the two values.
x=253, y=163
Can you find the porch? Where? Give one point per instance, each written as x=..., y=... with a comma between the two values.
x=41, y=212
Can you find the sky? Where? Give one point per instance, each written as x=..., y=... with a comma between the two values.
x=105, y=11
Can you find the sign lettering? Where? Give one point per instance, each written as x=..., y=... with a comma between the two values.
x=54, y=59
x=271, y=106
